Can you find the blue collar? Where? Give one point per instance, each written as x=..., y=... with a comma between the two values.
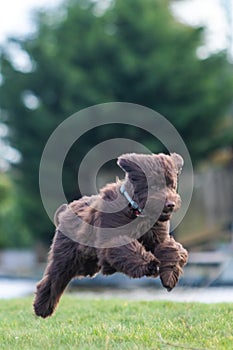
x=132, y=203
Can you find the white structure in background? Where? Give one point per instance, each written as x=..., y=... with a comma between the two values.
x=14, y=262
x=15, y=288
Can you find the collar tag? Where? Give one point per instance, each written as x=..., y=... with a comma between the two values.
x=133, y=204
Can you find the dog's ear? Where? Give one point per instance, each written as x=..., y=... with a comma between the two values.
x=126, y=163
x=129, y=163
x=178, y=161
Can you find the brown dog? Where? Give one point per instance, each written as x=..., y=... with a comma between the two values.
x=125, y=228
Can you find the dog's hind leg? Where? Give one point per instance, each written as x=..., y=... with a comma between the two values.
x=131, y=259
x=62, y=267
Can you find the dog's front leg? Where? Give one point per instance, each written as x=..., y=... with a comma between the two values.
x=131, y=259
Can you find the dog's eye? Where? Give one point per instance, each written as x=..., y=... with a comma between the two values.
x=171, y=182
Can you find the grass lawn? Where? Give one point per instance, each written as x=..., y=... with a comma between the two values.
x=116, y=324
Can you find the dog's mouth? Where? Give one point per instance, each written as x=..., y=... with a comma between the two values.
x=166, y=214
x=169, y=208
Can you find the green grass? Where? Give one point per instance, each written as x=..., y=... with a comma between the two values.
x=116, y=324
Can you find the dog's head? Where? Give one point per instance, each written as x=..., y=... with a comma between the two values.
x=154, y=180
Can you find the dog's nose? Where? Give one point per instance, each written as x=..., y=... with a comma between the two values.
x=170, y=205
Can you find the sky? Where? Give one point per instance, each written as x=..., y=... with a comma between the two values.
x=210, y=13
x=16, y=19
x=15, y=16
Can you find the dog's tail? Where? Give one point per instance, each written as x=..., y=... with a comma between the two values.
x=59, y=210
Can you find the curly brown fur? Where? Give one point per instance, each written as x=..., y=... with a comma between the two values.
x=85, y=243
x=172, y=258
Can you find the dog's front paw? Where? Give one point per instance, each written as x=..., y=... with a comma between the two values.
x=169, y=276
x=173, y=257
x=152, y=268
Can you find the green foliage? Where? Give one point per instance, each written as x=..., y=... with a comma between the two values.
x=13, y=232
x=5, y=187
x=133, y=51
x=117, y=324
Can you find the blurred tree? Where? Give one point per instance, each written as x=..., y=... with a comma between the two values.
x=86, y=53
x=13, y=233
x=5, y=187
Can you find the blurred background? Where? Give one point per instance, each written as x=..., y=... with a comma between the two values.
x=175, y=57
